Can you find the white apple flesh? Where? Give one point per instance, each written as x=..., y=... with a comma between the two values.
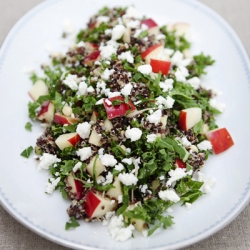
x=76, y=186
x=67, y=140
x=95, y=138
x=47, y=112
x=38, y=89
x=116, y=191
x=99, y=167
x=152, y=52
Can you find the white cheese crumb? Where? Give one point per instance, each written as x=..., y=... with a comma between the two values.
x=151, y=138
x=144, y=188
x=155, y=117
x=206, y=187
x=178, y=59
x=83, y=130
x=77, y=166
x=128, y=56
x=169, y=194
x=102, y=19
x=99, y=102
x=175, y=175
x=108, y=49
x=71, y=82
x=166, y=85
x=131, y=12
x=108, y=160
x=205, y=145
x=129, y=161
x=127, y=179
x=109, y=179
x=84, y=153
x=82, y=88
x=188, y=205
x=133, y=134
x=167, y=102
x=90, y=89
x=120, y=199
x=194, y=82
x=68, y=27
x=51, y=186
x=217, y=105
x=113, y=94
x=81, y=44
x=119, y=167
x=126, y=90
x=145, y=69
x=46, y=160
x=118, y=31
x=144, y=233
x=169, y=210
x=107, y=73
x=185, y=142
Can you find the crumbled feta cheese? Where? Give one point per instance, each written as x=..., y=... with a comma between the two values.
x=117, y=229
x=151, y=138
x=155, y=117
x=102, y=19
x=133, y=24
x=206, y=187
x=84, y=153
x=108, y=160
x=178, y=59
x=169, y=195
x=101, y=88
x=119, y=167
x=80, y=44
x=108, y=49
x=128, y=56
x=51, y=186
x=99, y=102
x=118, y=31
x=194, y=82
x=120, y=199
x=46, y=160
x=205, y=145
x=132, y=12
x=83, y=130
x=188, y=205
x=108, y=32
x=77, y=166
x=179, y=76
x=113, y=94
x=167, y=102
x=166, y=85
x=144, y=188
x=217, y=105
x=109, y=179
x=144, y=233
x=175, y=175
x=185, y=142
x=127, y=179
x=169, y=210
x=71, y=82
x=68, y=27
x=90, y=89
x=107, y=73
x=101, y=151
x=129, y=161
x=133, y=134
x=145, y=69
x=160, y=37
x=162, y=178
x=126, y=90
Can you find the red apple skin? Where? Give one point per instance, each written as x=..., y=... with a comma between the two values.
x=91, y=58
x=62, y=119
x=160, y=66
x=78, y=189
x=220, y=139
x=91, y=46
x=149, y=22
x=91, y=203
x=118, y=110
x=149, y=50
x=179, y=163
x=44, y=108
x=74, y=140
x=182, y=120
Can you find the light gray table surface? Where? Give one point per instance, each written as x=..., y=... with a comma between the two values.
x=235, y=236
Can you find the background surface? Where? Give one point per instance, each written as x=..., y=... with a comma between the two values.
x=235, y=236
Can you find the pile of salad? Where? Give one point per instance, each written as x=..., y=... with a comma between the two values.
x=128, y=123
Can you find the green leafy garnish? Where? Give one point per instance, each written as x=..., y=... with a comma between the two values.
x=27, y=152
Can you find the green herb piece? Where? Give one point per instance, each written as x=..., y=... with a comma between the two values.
x=28, y=126
x=73, y=223
x=27, y=152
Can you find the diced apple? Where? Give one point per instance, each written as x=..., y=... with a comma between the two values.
x=67, y=110
x=153, y=28
x=164, y=119
x=62, y=119
x=67, y=140
x=160, y=66
x=116, y=191
x=181, y=29
x=91, y=46
x=220, y=139
x=179, y=163
x=155, y=184
x=108, y=125
x=126, y=35
x=38, y=89
x=76, y=186
x=95, y=138
x=152, y=52
x=99, y=167
x=46, y=112
x=91, y=58
x=94, y=117
x=189, y=117
x=96, y=205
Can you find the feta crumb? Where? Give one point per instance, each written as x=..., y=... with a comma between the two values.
x=188, y=205
x=82, y=88
x=145, y=69
x=169, y=210
x=99, y=102
x=90, y=89
x=185, y=142
x=83, y=130
x=51, y=186
x=81, y=44
x=68, y=27
x=118, y=31
x=144, y=188
x=166, y=85
x=206, y=187
x=155, y=117
x=46, y=160
x=129, y=161
x=126, y=90
x=160, y=37
x=133, y=134
x=178, y=59
x=120, y=199
x=217, y=105
x=71, y=82
x=108, y=49
x=205, y=145
x=169, y=194
x=167, y=102
x=84, y=153
x=128, y=56
x=162, y=178
x=175, y=175
x=144, y=233
x=107, y=73
x=151, y=138
x=131, y=12
x=108, y=160
x=109, y=179
x=194, y=82
x=77, y=166
x=119, y=167
x=102, y=19
x=127, y=179
x=117, y=229
x=113, y=94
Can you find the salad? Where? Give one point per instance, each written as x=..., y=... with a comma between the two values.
x=128, y=123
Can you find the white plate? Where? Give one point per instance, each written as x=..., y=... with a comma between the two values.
x=22, y=187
